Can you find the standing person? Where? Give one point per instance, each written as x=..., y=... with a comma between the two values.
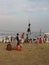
x=40, y=40
x=27, y=37
x=26, y=40
x=45, y=38
x=11, y=38
x=22, y=38
x=18, y=41
x=28, y=30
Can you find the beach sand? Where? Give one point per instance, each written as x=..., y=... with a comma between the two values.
x=31, y=54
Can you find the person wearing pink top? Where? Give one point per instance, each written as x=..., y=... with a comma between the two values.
x=40, y=40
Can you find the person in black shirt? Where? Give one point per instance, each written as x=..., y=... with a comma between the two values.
x=28, y=30
x=18, y=41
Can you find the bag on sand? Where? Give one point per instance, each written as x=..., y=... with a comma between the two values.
x=19, y=48
x=9, y=47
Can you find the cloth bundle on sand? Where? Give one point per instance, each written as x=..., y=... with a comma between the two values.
x=19, y=47
x=9, y=47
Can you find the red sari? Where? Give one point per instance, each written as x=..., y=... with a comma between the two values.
x=40, y=40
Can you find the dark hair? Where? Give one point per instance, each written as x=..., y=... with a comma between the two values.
x=29, y=24
x=17, y=33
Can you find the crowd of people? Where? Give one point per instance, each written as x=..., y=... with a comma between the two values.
x=24, y=38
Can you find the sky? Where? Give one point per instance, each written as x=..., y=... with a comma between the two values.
x=15, y=15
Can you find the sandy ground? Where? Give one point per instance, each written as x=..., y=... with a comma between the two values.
x=31, y=54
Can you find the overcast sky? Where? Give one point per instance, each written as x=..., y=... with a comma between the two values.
x=15, y=14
